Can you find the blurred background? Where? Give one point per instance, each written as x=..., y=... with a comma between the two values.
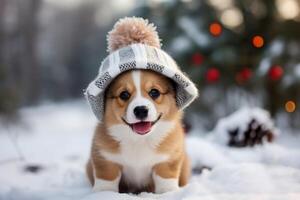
x=239, y=53
x=242, y=54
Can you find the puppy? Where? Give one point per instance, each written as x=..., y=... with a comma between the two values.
x=139, y=146
x=138, y=97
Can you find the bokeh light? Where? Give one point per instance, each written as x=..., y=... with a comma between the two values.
x=221, y=4
x=258, y=41
x=275, y=73
x=212, y=75
x=232, y=17
x=290, y=106
x=215, y=29
x=288, y=9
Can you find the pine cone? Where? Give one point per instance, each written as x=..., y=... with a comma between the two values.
x=255, y=134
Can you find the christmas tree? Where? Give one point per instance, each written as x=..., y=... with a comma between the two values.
x=238, y=52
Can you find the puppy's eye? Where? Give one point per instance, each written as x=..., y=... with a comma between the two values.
x=154, y=93
x=124, y=95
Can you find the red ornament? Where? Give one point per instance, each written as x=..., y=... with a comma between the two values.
x=197, y=59
x=244, y=75
x=215, y=29
x=212, y=75
x=275, y=73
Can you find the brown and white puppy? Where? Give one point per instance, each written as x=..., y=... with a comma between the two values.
x=139, y=146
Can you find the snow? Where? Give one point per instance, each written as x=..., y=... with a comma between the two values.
x=180, y=45
x=297, y=70
x=264, y=66
x=57, y=138
x=276, y=47
x=189, y=27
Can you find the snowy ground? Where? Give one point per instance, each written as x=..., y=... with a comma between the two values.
x=57, y=138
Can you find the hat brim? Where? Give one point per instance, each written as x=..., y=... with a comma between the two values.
x=135, y=57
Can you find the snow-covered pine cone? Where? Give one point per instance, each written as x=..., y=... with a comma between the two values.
x=246, y=127
x=256, y=133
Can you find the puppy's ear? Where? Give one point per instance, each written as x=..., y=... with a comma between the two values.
x=108, y=91
x=172, y=87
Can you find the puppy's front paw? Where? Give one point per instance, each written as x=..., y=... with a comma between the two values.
x=163, y=185
x=105, y=185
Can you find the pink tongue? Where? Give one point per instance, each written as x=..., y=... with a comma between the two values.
x=142, y=127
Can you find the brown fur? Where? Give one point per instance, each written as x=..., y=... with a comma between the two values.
x=173, y=144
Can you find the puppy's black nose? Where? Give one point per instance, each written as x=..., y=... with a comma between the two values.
x=141, y=112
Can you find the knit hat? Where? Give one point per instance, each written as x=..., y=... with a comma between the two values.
x=134, y=44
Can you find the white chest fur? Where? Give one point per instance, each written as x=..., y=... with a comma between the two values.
x=138, y=153
x=137, y=160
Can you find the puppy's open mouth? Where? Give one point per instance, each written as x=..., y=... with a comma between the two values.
x=142, y=127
